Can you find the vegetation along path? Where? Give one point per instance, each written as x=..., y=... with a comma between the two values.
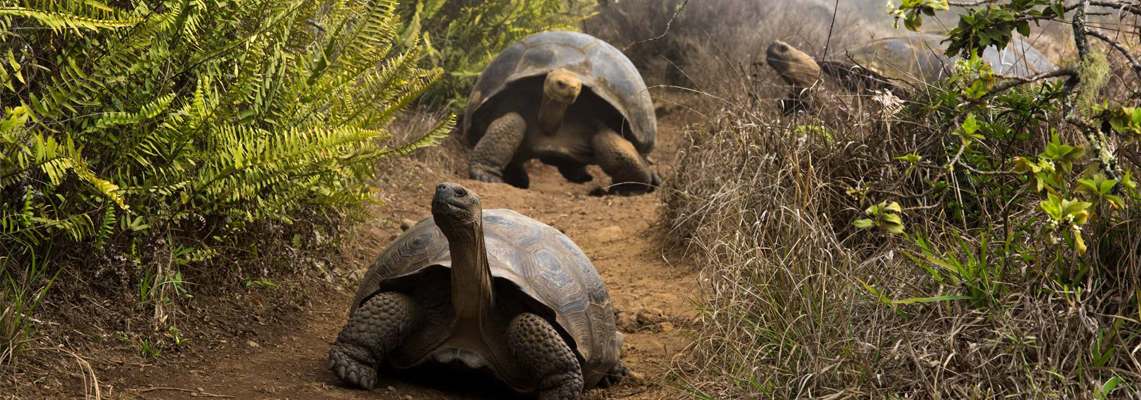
x=285, y=359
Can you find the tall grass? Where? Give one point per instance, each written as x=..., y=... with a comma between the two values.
x=20, y=293
x=977, y=298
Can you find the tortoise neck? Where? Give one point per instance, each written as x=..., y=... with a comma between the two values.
x=472, y=296
x=551, y=113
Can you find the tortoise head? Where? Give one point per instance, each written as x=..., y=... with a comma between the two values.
x=460, y=217
x=456, y=209
x=562, y=86
x=794, y=66
x=560, y=89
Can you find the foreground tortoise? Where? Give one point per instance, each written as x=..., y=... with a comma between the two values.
x=568, y=99
x=897, y=63
x=483, y=290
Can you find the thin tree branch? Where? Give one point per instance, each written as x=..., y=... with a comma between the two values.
x=668, y=23
x=1015, y=81
x=1132, y=60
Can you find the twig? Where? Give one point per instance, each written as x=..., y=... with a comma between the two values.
x=1132, y=8
x=1132, y=60
x=668, y=23
x=196, y=392
x=981, y=172
x=1016, y=81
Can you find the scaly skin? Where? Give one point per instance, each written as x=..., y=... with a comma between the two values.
x=494, y=151
x=619, y=159
x=540, y=350
x=795, y=67
x=615, y=375
x=375, y=329
x=573, y=171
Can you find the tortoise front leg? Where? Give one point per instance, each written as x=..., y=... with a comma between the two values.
x=375, y=328
x=540, y=350
x=496, y=148
x=615, y=375
x=619, y=159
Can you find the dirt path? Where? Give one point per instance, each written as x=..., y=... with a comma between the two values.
x=285, y=357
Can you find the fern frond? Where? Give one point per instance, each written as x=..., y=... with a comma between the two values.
x=58, y=21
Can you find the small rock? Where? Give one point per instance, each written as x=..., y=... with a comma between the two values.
x=391, y=389
x=407, y=397
x=635, y=378
x=650, y=316
x=627, y=323
x=666, y=326
x=613, y=232
x=252, y=343
x=405, y=224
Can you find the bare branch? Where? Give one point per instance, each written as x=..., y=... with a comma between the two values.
x=668, y=23
x=1120, y=48
x=1132, y=8
x=1015, y=81
x=970, y=4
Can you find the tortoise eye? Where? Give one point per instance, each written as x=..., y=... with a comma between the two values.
x=562, y=85
x=783, y=48
x=460, y=192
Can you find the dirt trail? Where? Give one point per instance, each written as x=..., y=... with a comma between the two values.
x=285, y=357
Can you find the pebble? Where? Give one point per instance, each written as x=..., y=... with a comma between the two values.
x=650, y=316
x=635, y=378
x=252, y=343
x=406, y=224
x=613, y=232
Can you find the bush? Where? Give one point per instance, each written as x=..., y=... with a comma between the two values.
x=980, y=244
x=462, y=36
x=177, y=128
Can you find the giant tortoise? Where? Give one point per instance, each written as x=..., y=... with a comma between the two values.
x=568, y=99
x=483, y=290
x=896, y=63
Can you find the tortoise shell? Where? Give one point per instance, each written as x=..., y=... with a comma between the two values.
x=603, y=70
x=921, y=57
x=538, y=260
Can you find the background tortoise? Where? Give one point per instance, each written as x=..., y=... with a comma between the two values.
x=486, y=290
x=568, y=99
x=896, y=63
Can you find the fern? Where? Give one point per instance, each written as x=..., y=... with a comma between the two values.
x=149, y=114
x=463, y=36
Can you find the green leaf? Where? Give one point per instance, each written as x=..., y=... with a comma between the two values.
x=895, y=228
x=911, y=158
x=864, y=223
x=933, y=299
x=894, y=206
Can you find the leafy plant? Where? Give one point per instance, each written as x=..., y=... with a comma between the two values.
x=146, y=349
x=463, y=36
x=152, y=115
x=883, y=215
x=18, y=300
x=911, y=11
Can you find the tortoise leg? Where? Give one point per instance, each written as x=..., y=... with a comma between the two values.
x=615, y=375
x=516, y=175
x=540, y=350
x=496, y=148
x=376, y=328
x=574, y=171
x=619, y=159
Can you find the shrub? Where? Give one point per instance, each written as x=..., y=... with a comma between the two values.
x=179, y=127
x=462, y=36
x=980, y=244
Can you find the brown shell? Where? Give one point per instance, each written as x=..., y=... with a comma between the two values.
x=918, y=57
x=544, y=263
x=602, y=68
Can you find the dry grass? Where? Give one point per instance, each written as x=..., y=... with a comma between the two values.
x=765, y=205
